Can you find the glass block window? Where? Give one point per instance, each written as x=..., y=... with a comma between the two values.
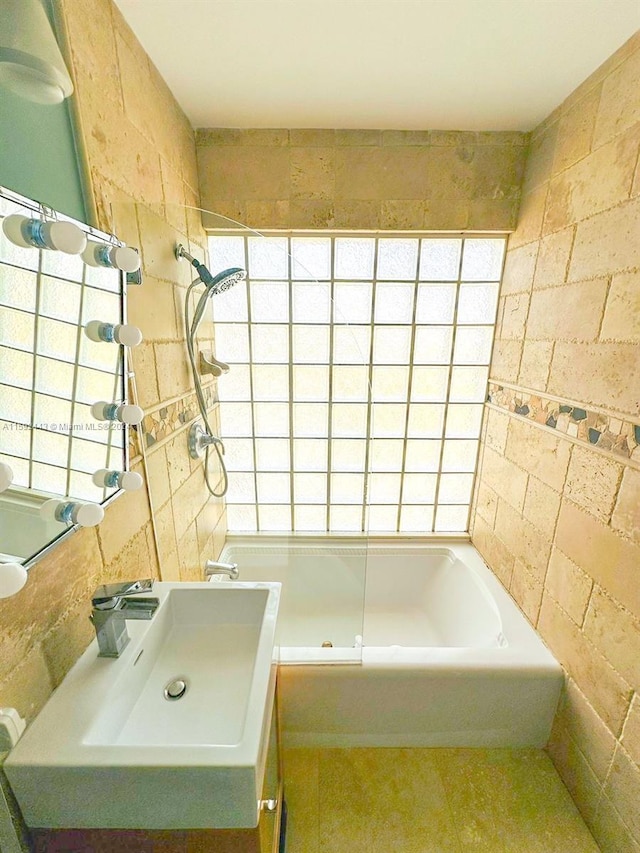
x=359, y=368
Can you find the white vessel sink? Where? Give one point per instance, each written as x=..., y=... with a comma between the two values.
x=110, y=750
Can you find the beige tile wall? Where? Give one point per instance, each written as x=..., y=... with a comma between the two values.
x=362, y=179
x=559, y=521
x=142, y=165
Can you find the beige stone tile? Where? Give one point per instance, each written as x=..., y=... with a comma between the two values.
x=505, y=360
x=207, y=522
x=67, y=640
x=445, y=213
x=505, y=478
x=225, y=213
x=499, y=170
x=622, y=789
x=178, y=461
x=173, y=189
x=311, y=213
x=382, y=173
x=151, y=307
x=610, y=831
x=137, y=558
x=513, y=316
x=157, y=476
x=312, y=173
x=622, y=314
x=358, y=138
x=188, y=501
x=174, y=377
x=568, y=585
x=92, y=41
x=592, y=481
x=599, y=374
x=497, y=429
x=606, y=243
x=29, y=685
x=575, y=773
x=245, y=172
x=541, y=506
x=553, y=258
x=581, y=723
x=526, y=589
x=631, y=732
x=575, y=130
x=572, y=312
x=608, y=558
x=312, y=137
x=619, y=105
x=535, y=364
x=493, y=214
x=487, y=503
x=616, y=634
x=407, y=137
x=189, y=555
x=519, y=268
x=123, y=519
x=266, y=214
x=539, y=452
x=401, y=214
x=530, y=217
x=540, y=156
x=606, y=691
x=523, y=539
x=301, y=773
x=135, y=79
x=496, y=554
x=626, y=515
x=166, y=537
x=143, y=362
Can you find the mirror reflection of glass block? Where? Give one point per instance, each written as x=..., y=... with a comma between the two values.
x=271, y=419
x=345, y=519
x=311, y=303
x=477, y=303
x=230, y=306
x=311, y=257
x=86, y=426
x=352, y=302
x=61, y=299
x=17, y=256
x=15, y=404
x=354, y=257
x=270, y=382
x=273, y=488
x=391, y=344
x=87, y=456
x=242, y=517
x=419, y=488
x=452, y=519
x=389, y=384
x=62, y=265
x=310, y=488
x=242, y=488
x=82, y=487
x=381, y=519
x=273, y=454
x=397, y=258
x=311, y=420
x=226, y=252
x=239, y=454
x=429, y=384
x=455, y=488
x=16, y=367
x=101, y=355
x=384, y=488
x=473, y=345
x=57, y=340
x=311, y=344
x=416, y=519
x=422, y=455
x=425, y=420
x=232, y=342
x=269, y=344
x=268, y=257
x=312, y=519
x=347, y=488
x=464, y=421
x=394, y=303
x=20, y=468
x=435, y=303
x=100, y=305
x=52, y=413
x=310, y=454
x=351, y=344
x=95, y=385
x=311, y=383
x=235, y=420
x=50, y=447
x=274, y=519
x=236, y=385
x=459, y=455
x=350, y=384
x=348, y=454
x=440, y=259
x=348, y=420
x=388, y=420
x=269, y=302
x=468, y=384
x=18, y=288
x=17, y=329
x=385, y=454
x=433, y=345
x=482, y=259
x=49, y=479
x=15, y=439
x=103, y=278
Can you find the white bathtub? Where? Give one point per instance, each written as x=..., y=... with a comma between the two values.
x=447, y=658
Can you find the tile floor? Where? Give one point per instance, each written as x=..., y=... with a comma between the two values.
x=429, y=801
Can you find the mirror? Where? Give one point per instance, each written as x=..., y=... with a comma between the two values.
x=52, y=373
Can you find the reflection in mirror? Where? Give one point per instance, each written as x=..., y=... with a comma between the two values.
x=59, y=459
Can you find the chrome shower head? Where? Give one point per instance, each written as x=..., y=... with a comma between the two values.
x=214, y=284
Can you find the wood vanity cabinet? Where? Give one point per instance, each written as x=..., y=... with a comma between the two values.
x=264, y=838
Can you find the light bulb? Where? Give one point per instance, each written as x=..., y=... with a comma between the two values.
x=72, y=512
x=6, y=477
x=114, y=257
x=129, y=481
x=126, y=334
x=13, y=577
x=125, y=413
x=63, y=236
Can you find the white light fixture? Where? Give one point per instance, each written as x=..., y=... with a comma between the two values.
x=13, y=577
x=113, y=257
x=127, y=335
x=6, y=476
x=125, y=413
x=31, y=64
x=44, y=234
x=128, y=481
x=72, y=512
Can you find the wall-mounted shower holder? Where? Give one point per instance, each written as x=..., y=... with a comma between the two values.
x=210, y=365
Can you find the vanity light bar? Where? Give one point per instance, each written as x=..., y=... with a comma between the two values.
x=123, y=412
x=72, y=512
x=129, y=481
x=127, y=335
x=27, y=233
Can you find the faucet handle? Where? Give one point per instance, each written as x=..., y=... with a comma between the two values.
x=106, y=596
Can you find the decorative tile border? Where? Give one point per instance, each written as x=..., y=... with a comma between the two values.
x=166, y=420
x=598, y=429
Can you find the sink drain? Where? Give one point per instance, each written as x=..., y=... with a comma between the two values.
x=175, y=689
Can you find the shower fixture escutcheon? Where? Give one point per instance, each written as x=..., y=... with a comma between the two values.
x=198, y=440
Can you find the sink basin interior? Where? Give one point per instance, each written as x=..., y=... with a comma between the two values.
x=208, y=642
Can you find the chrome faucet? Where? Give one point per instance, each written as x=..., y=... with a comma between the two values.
x=211, y=567
x=112, y=606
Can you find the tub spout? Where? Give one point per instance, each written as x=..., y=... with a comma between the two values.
x=211, y=567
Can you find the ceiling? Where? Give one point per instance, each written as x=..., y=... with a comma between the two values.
x=391, y=64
